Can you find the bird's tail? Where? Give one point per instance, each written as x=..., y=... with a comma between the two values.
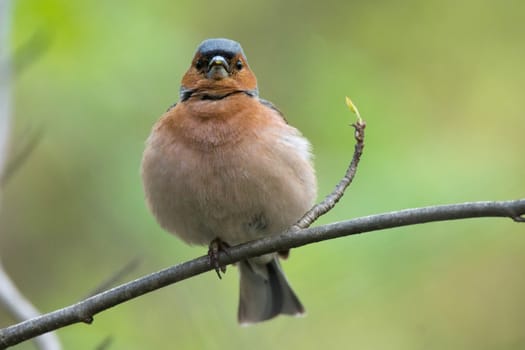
x=265, y=292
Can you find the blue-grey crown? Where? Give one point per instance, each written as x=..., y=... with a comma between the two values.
x=220, y=46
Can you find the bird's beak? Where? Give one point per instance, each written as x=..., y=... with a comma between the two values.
x=218, y=68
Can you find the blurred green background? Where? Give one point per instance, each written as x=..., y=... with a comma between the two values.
x=441, y=85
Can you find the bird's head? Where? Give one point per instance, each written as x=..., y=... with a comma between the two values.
x=219, y=65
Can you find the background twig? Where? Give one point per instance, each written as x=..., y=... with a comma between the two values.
x=115, y=278
x=20, y=156
x=5, y=79
x=30, y=51
x=10, y=297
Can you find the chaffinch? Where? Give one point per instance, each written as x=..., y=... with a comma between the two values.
x=223, y=165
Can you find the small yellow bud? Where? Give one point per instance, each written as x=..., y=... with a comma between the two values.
x=353, y=108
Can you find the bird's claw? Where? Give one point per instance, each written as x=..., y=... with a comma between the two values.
x=217, y=246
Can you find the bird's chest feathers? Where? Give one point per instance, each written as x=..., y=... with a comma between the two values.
x=218, y=149
x=212, y=168
x=209, y=125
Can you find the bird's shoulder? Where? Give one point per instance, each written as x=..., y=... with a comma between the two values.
x=171, y=107
x=270, y=105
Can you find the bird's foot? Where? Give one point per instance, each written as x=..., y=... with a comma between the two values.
x=284, y=254
x=217, y=246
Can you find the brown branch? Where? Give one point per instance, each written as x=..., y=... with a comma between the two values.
x=84, y=311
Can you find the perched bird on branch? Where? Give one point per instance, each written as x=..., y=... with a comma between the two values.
x=223, y=167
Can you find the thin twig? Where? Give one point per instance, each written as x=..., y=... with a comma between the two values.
x=105, y=343
x=115, y=277
x=84, y=311
x=19, y=158
x=31, y=51
x=331, y=200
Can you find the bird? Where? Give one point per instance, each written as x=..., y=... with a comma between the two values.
x=223, y=167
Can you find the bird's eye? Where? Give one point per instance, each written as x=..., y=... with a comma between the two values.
x=199, y=64
x=239, y=65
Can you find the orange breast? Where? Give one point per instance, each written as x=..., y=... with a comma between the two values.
x=205, y=124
